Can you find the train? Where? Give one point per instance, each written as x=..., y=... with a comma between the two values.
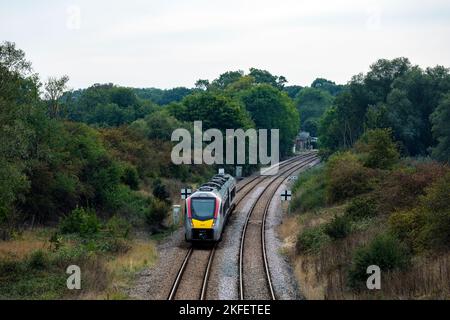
x=208, y=208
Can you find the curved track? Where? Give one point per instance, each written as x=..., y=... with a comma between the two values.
x=190, y=282
x=253, y=264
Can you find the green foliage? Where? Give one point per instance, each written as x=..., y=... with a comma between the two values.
x=311, y=240
x=270, y=108
x=130, y=177
x=38, y=260
x=81, y=221
x=118, y=227
x=346, y=177
x=441, y=131
x=160, y=191
x=402, y=188
x=157, y=213
x=265, y=77
x=385, y=251
x=328, y=86
x=426, y=226
x=292, y=91
x=311, y=104
x=309, y=190
x=163, y=97
x=377, y=149
x=106, y=105
x=338, y=228
x=160, y=125
x=214, y=109
x=361, y=207
x=128, y=204
x=393, y=94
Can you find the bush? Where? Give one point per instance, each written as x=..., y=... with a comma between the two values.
x=129, y=204
x=385, y=251
x=402, y=188
x=38, y=260
x=156, y=213
x=361, y=207
x=309, y=190
x=338, y=228
x=130, y=177
x=311, y=240
x=428, y=225
x=378, y=149
x=81, y=221
x=118, y=227
x=160, y=191
x=346, y=177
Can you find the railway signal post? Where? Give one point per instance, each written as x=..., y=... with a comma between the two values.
x=286, y=195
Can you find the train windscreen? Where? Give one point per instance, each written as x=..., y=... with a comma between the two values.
x=203, y=209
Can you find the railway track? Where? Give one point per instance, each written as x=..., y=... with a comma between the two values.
x=253, y=263
x=190, y=284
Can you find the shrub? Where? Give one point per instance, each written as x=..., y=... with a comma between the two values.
x=156, y=213
x=378, y=149
x=402, y=188
x=428, y=225
x=361, y=207
x=81, y=221
x=118, y=227
x=38, y=260
x=338, y=228
x=309, y=190
x=130, y=177
x=129, y=204
x=311, y=240
x=346, y=177
x=160, y=190
x=385, y=251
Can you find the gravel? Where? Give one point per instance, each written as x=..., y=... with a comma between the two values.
x=283, y=279
x=224, y=278
x=156, y=282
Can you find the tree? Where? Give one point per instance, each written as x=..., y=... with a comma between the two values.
x=227, y=78
x=441, y=130
x=215, y=110
x=378, y=149
x=202, y=84
x=292, y=91
x=311, y=104
x=327, y=85
x=265, y=77
x=54, y=90
x=272, y=109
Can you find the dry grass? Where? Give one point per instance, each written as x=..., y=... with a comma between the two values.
x=104, y=276
x=121, y=271
x=324, y=275
x=23, y=244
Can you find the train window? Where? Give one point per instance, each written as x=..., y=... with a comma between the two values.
x=203, y=208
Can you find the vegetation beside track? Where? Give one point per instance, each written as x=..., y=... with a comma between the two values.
x=367, y=206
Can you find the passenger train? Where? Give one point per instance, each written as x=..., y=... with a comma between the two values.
x=208, y=208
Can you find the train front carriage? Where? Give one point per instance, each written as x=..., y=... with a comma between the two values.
x=207, y=209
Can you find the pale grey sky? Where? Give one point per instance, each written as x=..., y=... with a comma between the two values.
x=144, y=43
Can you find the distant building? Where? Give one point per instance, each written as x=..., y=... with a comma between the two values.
x=304, y=141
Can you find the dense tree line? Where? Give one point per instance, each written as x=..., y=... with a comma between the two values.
x=394, y=94
x=49, y=165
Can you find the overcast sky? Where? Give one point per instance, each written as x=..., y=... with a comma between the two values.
x=170, y=43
